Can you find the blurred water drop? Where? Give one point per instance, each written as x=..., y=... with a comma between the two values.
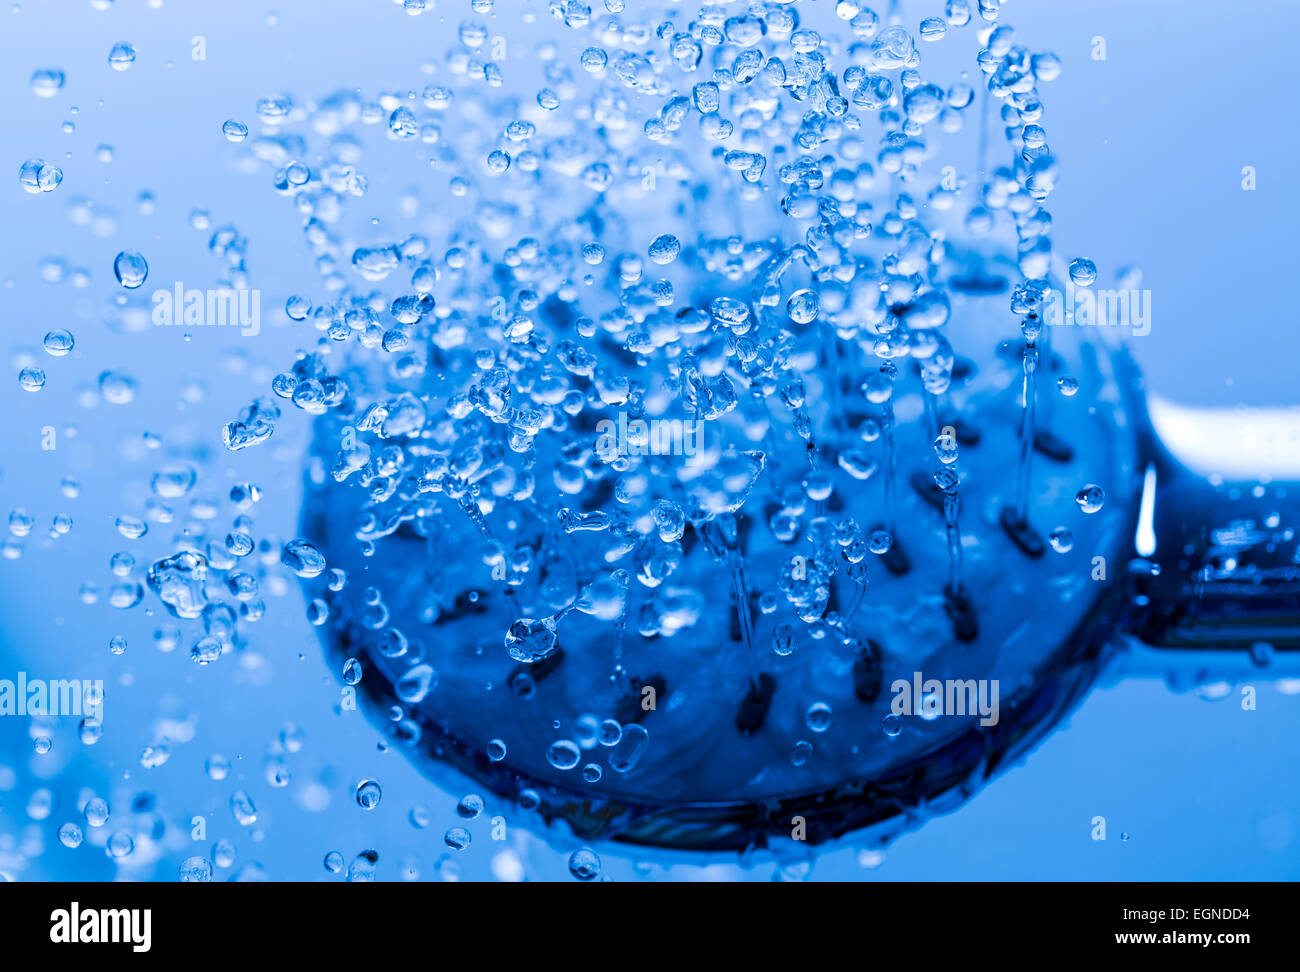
x=122, y=56
x=47, y=82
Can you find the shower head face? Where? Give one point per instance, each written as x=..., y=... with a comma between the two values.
x=718, y=731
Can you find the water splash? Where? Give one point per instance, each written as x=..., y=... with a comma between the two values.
x=735, y=219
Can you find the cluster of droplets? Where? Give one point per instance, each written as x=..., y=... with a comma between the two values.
x=542, y=312
x=467, y=369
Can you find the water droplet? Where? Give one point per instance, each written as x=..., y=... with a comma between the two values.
x=297, y=307
x=217, y=767
x=196, y=870
x=47, y=82
x=96, y=812
x=117, y=388
x=783, y=639
x=470, y=806
x=36, y=175
x=131, y=527
x=1083, y=272
x=58, y=342
x=664, y=249
x=584, y=864
x=563, y=754
x=130, y=269
x=417, y=683
x=1262, y=653
x=302, y=557
x=368, y=794
x=457, y=838
x=122, y=56
x=206, y=650
x=120, y=844
x=174, y=480
x=531, y=641
x=631, y=747
x=803, y=306
x=402, y=123
x=818, y=717
x=243, y=809
x=933, y=29
x=1090, y=498
x=223, y=853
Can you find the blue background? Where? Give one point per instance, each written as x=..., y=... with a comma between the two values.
x=1153, y=141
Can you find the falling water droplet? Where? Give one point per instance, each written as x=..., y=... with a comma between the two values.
x=1062, y=540
x=584, y=864
x=368, y=794
x=130, y=269
x=1090, y=498
x=122, y=56
x=1083, y=272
